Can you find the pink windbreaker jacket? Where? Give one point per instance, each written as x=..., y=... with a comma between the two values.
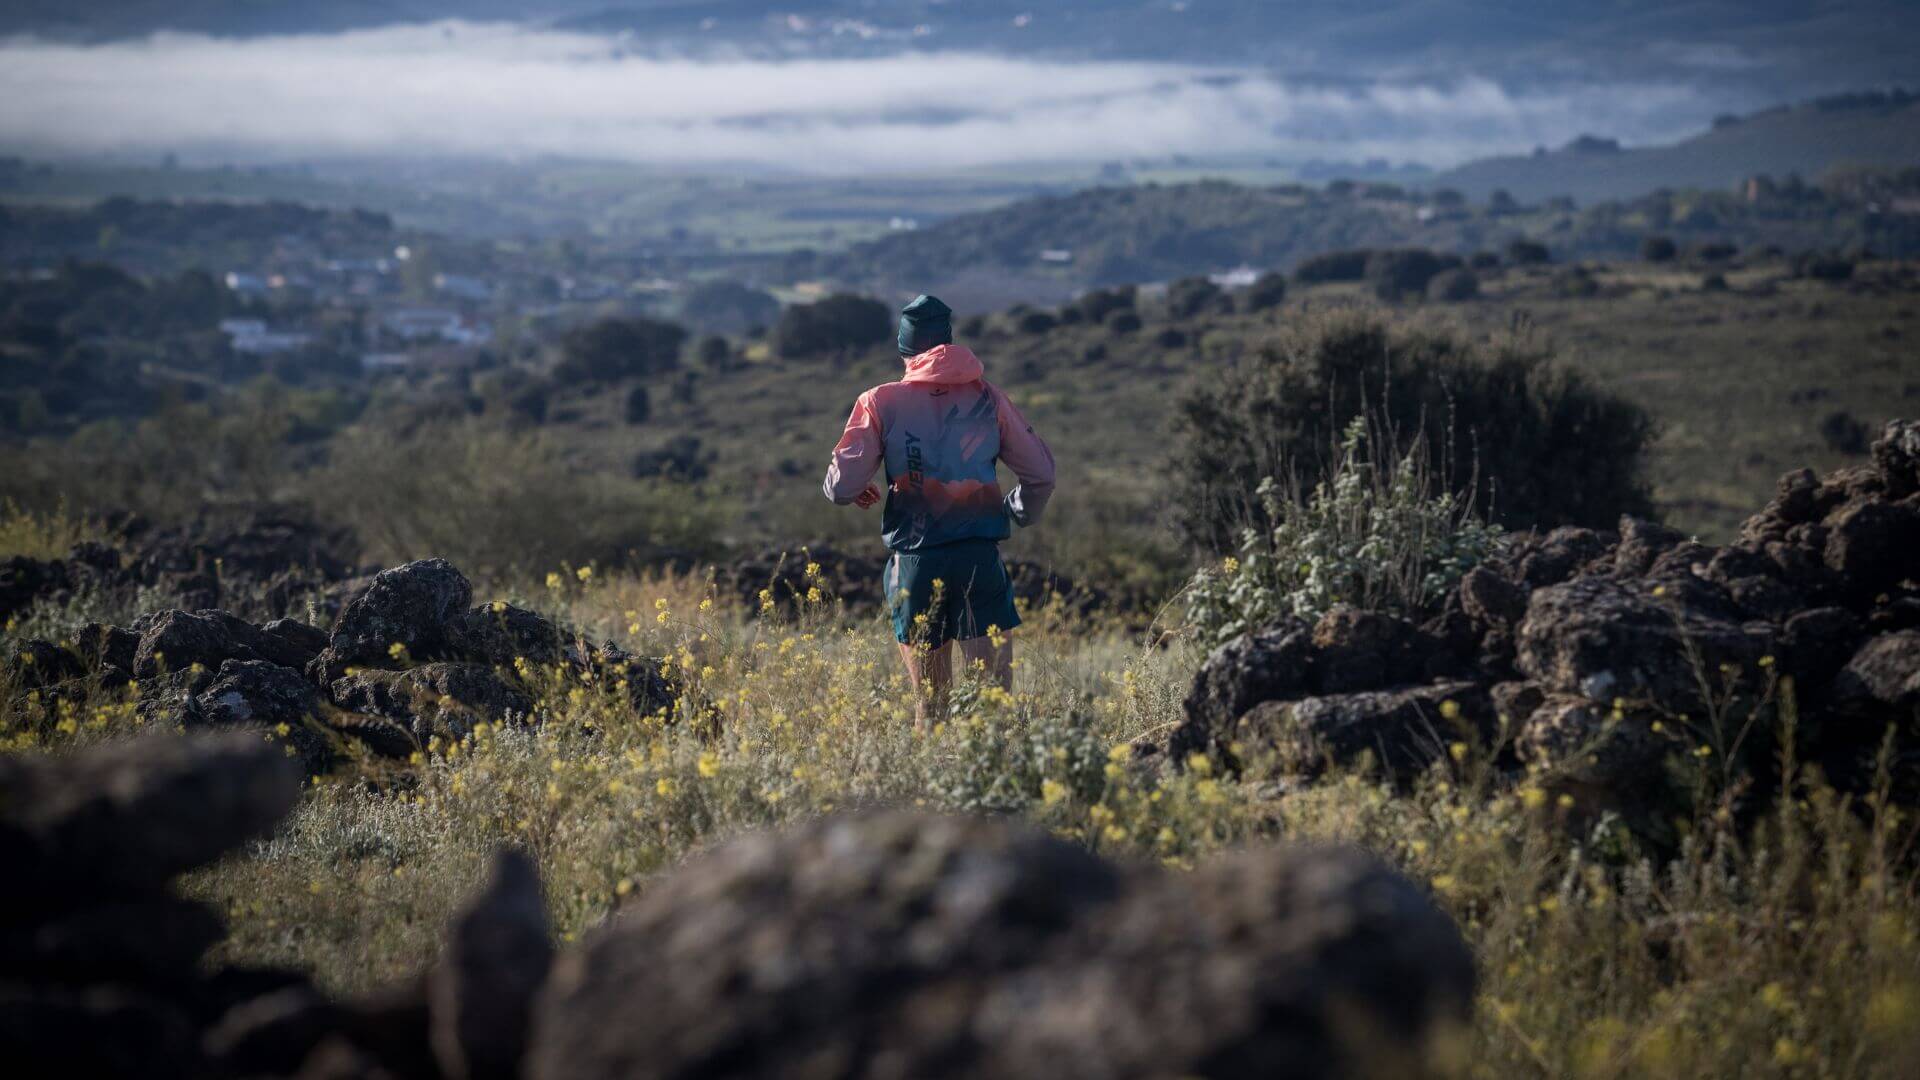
x=938, y=432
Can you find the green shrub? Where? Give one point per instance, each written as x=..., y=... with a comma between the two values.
x=1270, y=291
x=1191, y=296
x=1658, y=249
x=1405, y=271
x=1378, y=533
x=1536, y=443
x=1528, y=253
x=1454, y=286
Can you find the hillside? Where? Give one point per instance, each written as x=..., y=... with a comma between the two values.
x=1808, y=139
x=1043, y=249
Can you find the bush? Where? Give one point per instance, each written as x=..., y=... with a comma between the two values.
x=1376, y=534
x=1658, y=249
x=1536, y=443
x=1191, y=296
x=1035, y=322
x=1715, y=252
x=1823, y=267
x=1406, y=271
x=1100, y=303
x=1123, y=322
x=1270, y=291
x=1844, y=433
x=842, y=321
x=1528, y=253
x=1332, y=266
x=1453, y=286
x=613, y=349
x=1171, y=338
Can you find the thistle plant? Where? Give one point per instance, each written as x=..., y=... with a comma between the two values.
x=1374, y=534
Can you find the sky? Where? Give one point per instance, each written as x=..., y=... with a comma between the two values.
x=498, y=91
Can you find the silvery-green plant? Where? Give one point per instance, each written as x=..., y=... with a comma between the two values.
x=1375, y=534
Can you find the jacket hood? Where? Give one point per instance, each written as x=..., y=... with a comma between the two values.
x=943, y=364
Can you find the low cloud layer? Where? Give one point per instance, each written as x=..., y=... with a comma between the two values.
x=504, y=92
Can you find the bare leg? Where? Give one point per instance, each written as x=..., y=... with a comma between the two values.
x=930, y=672
x=997, y=660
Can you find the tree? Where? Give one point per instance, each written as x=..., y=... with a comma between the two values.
x=728, y=307
x=1658, y=249
x=842, y=321
x=619, y=348
x=1269, y=291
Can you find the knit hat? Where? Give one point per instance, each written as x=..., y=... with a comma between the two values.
x=924, y=323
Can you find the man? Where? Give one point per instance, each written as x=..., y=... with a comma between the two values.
x=939, y=431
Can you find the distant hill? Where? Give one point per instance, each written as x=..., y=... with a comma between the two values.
x=1856, y=129
x=1046, y=248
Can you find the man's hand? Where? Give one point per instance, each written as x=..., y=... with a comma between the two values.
x=868, y=497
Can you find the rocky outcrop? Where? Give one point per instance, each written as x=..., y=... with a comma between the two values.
x=1596, y=652
x=900, y=944
x=411, y=658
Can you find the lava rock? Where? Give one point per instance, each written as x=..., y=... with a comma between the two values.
x=303, y=642
x=1403, y=730
x=1885, y=671
x=128, y=816
x=500, y=634
x=480, y=995
x=1361, y=650
x=179, y=640
x=1275, y=664
x=255, y=694
x=444, y=699
x=900, y=944
x=419, y=606
x=1896, y=454
x=1874, y=545
x=1603, y=639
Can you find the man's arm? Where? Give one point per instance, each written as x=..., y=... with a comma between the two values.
x=1027, y=455
x=858, y=456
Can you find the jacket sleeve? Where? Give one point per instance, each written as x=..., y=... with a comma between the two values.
x=858, y=456
x=1027, y=455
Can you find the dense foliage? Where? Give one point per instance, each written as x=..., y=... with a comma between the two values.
x=839, y=322
x=1537, y=444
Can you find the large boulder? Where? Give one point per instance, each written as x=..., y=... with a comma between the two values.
x=480, y=994
x=1275, y=664
x=1885, y=672
x=128, y=816
x=1872, y=544
x=411, y=612
x=1402, y=730
x=1896, y=454
x=501, y=634
x=1366, y=650
x=1651, y=642
x=900, y=944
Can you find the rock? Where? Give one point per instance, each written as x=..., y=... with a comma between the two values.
x=109, y=648
x=150, y=941
x=24, y=580
x=1490, y=599
x=338, y=1058
x=648, y=692
x=1886, y=671
x=177, y=640
x=38, y=665
x=419, y=606
x=501, y=634
x=303, y=642
x=381, y=737
x=1796, y=502
x=433, y=699
x=1403, y=730
x=1874, y=545
x=480, y=995
x=900, y=944
x=271, y=1035
x=1896, y=454
x=1514, y=702
x=1575, y=747
x=130, y=815
x=1560, y=553
x=1815, y=643
x=1641, y=543
x=1604, y=639
x=1275, y=664
x=278, y=700
x=1365, y=650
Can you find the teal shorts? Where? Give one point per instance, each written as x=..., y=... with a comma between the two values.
x=973, y=594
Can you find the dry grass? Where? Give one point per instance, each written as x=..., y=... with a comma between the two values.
x=1788, y=949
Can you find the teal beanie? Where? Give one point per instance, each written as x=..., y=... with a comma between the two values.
x=924, y=323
